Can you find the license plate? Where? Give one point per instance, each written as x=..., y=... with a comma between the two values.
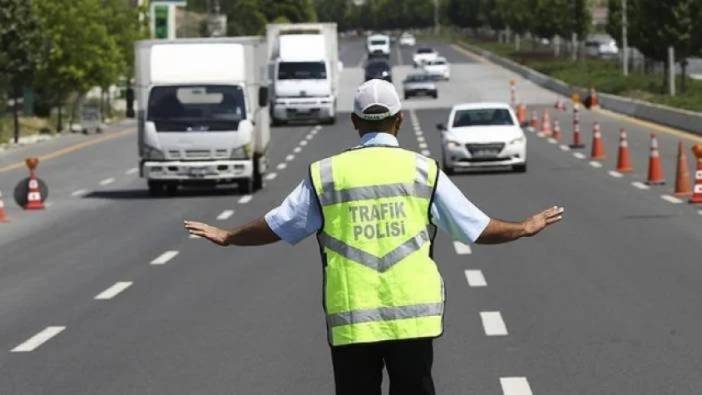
x=484, y=153
x=198, y=171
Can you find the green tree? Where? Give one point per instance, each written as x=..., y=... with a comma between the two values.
x=516, y=14
x=20, y=47
x=296, y=11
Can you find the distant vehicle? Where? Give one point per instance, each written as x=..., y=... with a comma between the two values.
x=419, y=84
x=482, y=135
x=605, y=48
x=407, y=40
x=379, y=69
x=378, y=45
x=423, y=55
x=437, y=68
x=90, y=119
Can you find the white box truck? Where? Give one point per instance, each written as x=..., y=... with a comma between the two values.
x=202, y=112
x=304, y=68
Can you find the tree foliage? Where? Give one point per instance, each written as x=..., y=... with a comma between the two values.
x=21, y=41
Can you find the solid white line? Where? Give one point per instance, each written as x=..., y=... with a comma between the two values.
x=579, y=155
x=245, y=199
x=303, y=143
x=164, y=258
x=515, y=386
x=290, y=157
x=461, y=249
x=297, y=150
x=493, y=324
x=224, y=215
x=114, y=290
x=107, y=181
x=270, y=176
x=40, y=338
x=475, y=278
x=281, y=166
x=596, y=165
x=615, y=174
x=564, y=147
x=552, y=141
x=640, y=185
x=423, y=145
x=426, y=152
x=131, y=171
x=671, y=199
x=79, y=192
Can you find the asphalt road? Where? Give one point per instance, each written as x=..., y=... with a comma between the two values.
x=607, y=302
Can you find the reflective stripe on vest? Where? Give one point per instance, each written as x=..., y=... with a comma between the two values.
x=385, y=314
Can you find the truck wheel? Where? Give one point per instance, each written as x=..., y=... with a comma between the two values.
x=257, y=182
x=156, y=188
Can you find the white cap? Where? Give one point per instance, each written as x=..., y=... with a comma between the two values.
x=376, y=92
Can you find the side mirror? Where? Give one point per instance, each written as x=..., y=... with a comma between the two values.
x=263, y=96
x=440, y=127
x=129, y=96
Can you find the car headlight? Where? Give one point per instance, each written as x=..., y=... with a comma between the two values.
x=518, y=140
x=453, y=144
x=151, y=153
x=240, y=153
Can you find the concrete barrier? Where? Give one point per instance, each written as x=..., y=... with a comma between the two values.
x=690, y=121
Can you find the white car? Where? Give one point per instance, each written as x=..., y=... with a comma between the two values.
x=437, y=68
x=480, y=135
x=378, y=45
x=407, y=40
x=423, y=55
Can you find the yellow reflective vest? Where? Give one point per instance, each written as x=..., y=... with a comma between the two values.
x=380, y=280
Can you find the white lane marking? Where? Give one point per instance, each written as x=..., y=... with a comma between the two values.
x=579, y=155
x=552, y=141
x=421, y=139
x=461, y=249
x=423, y=145
x=191, y=236
x=671, y=199
x=317, y=128
x=79, y=192
x=164, y=258
x=596, y=165
x=114, y=290
x=426, y=152
x=297, y=150
x=418, y=133
x=640, y=185
x=281, y=166
x=107, y=181
x=564, y=147
x=493, y=324
x=245, y=199
x=224, y=215
x=290, y=157
x=310, y=136
x=303, y=143
x=515, y=386
x=615, y=174
x=699, y=212
x=40, y=338
x=475, y=278
x=270, y=176
x=131, y=171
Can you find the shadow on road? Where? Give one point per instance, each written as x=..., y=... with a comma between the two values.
x=143, y=194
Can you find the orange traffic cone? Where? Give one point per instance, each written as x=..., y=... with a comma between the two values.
x=534, y=122
x=655, y=167
x=577, y=143
x=34, y=198
x=697, y=191
x=682, y=174
x=623, y=157
x=3, y=214
x=545, y=124
x=560, y=104
x=522, y=114
x=556, y=130
x=592, y=100
x=598, y=150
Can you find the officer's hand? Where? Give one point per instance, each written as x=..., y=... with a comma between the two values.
x=211, y=233
x=540, y=221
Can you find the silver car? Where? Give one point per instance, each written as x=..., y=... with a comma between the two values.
x=419, y=84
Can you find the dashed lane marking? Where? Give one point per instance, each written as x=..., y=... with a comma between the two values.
x=303, y=143
x=552, y=141
x=579, y=155
x=671, y=199
x=270, y=176
x=461, y=249
x=640, y=185
x=164, y=258
x=40, y=338
x=418, y=133
x=515, y=386
x=297, y=150
x=475, y=278
x=281, y=166
x=290, y=157
x=245, y=199
x=595, y=164
x=615, y=174
x=79, y=192
x=564, y=147
x=426, y=152
x=191, y=236
x=310, y=136
x=107, y=181
x=131, y=171
x=114, y=290
x=423, y=145
x=225, y=215
x=421, y=139
x=493, y=324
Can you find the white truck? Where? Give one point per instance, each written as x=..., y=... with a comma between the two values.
x=201, y=112
x=378, y=45
x=304, y=67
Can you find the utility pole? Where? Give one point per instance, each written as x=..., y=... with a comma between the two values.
x=625, y=41
x=436, y=17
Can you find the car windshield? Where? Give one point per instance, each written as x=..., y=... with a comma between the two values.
x=378, y=42
x=200, y=108
x=482, y=117
x=302, y=71
x=417, y=78
x=425, y=50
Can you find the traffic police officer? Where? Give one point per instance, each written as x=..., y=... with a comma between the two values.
x=374, y=209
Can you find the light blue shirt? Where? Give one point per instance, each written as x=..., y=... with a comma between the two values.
x=299, y=215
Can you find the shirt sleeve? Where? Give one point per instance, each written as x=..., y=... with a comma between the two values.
x=298, y=216
x=453, y=213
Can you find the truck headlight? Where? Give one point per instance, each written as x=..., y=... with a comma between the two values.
x=152, y=153
x=240, y=153
x=518, y=140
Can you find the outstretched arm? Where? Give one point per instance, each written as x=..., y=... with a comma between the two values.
x=256, y=232
x=502, y=232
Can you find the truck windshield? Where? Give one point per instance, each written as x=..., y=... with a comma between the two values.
x=482, y=117
x=378, y=42
x=196, y=108
x=301, y=71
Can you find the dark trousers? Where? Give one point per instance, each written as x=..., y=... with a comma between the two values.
x=358, y=368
